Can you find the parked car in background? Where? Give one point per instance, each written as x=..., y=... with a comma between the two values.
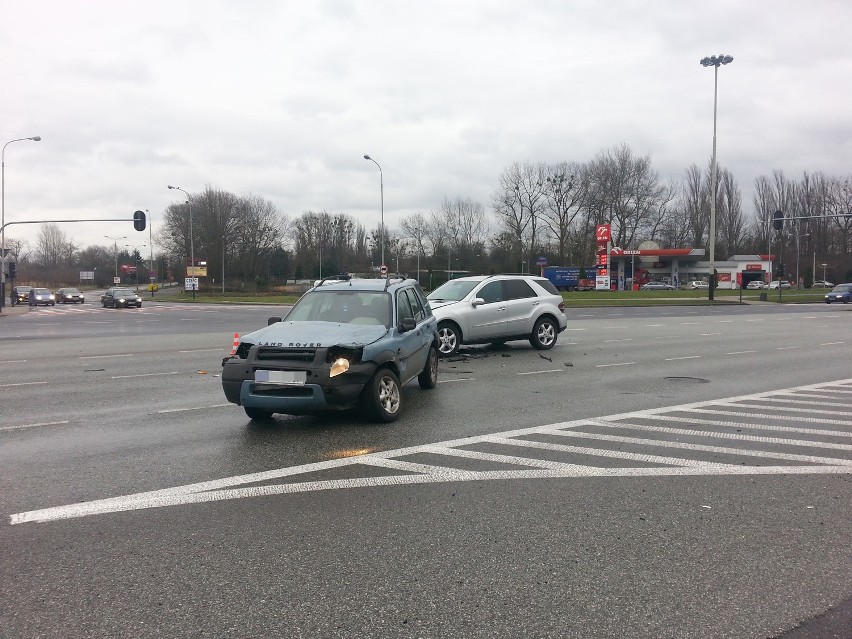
x=496, y=309
x=696, y=284
x=823, y=284
x=779, y=284
x=756, y=285
x=840, y=293
x=20, y=294
x=120, y=297
x=69, y=294
x=41, y=297
x=342, y=344
x=656, y=286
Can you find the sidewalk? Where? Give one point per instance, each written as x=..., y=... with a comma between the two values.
x=18, y=309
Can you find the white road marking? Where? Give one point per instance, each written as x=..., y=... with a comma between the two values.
x=553, y=370
x=205, y=350
x=619, y=364
x=460, y=379
x=708, y=334
x=179, y=410
x=21, y=384
x=689, y=323
x=740, y=352
x=674, y=359
x=832, y=343
x=623, y=339
x=143, y=375
x=13, y=361
x=786, y=348
x=652, y=325
x=528, y=467
x=33, y=425
x=104, y=356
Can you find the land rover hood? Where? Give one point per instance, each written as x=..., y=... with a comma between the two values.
x=315, y=334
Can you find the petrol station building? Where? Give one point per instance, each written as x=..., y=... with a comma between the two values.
x=631, y=268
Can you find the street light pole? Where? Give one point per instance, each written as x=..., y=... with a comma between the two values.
x=191, y=242
x=715, y=62
x=35, y=138
x=115, y=250
x=382, y=195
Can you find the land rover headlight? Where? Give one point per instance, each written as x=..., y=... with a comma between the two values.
x=338, y=367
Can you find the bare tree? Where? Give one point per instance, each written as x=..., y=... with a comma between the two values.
x=565, y=193
x=696, y=202
x=729, y=214
x=53, y=248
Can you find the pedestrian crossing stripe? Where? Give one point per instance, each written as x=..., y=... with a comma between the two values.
x=789, y=448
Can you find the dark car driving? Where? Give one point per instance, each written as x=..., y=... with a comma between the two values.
x=840, y=293
x=69, y=294
x=120, y=297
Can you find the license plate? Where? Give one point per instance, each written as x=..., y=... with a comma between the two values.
x=280, y=377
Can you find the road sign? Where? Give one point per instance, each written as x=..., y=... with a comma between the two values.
x=541, y=261
x=190, y=284
x=383, y=269
x=116, y=280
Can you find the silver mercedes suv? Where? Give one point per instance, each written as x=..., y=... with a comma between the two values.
x=497, y=309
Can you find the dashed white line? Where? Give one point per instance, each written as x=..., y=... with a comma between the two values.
x=619, y=364
x=143, y=375
x=674, y=359
x=740, y=352
x=13, y=361
x=708, y=334
x=204, y=350
x=623, y=339
x=179, y=410
x=552, y=370
x=21, y=384
x=33, y=425
x=451, y=381
x=832, y=343
x=104, y=356
x=786, y=348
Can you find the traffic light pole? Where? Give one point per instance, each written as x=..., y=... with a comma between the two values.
x=136, y=220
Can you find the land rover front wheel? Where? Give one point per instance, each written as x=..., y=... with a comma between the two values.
x=382, y=396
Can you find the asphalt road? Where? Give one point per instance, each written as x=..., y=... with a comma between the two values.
x=660, y=473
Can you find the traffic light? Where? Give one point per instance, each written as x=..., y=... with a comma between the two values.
x=13, y=270
x=780, y=272
x=139, y=220
x=778, y=220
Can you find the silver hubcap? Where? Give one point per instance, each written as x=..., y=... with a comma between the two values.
x=448, y=340
x=546, y=333
x=388, y=395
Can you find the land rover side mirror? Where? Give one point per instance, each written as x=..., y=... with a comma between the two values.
x=477, y=301
x=407, y=324
x=272, y=320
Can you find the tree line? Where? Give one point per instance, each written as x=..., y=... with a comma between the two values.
x=536, y=210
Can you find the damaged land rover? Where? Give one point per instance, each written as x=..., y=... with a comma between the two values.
x=343, y=344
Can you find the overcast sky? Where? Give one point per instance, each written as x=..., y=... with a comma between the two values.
x=282, y=99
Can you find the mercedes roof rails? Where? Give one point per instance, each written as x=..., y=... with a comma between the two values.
x=341, y=277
